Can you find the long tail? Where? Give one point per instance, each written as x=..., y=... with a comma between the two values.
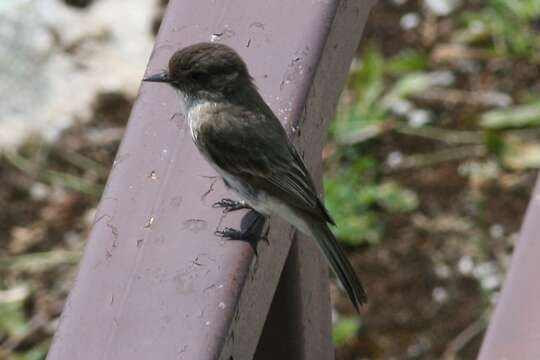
x=338, y=262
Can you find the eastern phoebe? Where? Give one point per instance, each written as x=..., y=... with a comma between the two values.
x=246, y=144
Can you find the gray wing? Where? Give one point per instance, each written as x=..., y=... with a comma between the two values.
x=257, y=151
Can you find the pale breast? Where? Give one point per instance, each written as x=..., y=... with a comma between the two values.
x=197, y=114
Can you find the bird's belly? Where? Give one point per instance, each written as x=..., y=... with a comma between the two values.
x=264, y=203
x=256, y=199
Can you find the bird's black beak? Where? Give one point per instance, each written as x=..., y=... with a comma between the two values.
x=161, y=77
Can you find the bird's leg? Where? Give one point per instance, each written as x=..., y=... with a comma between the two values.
x=229, y=205
x=251, y=233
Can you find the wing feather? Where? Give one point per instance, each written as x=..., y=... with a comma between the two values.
x=242, y=150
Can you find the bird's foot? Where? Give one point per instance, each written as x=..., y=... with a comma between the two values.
x=235, y=234
x=247, y=236
x=251, y=233
x=229, y=205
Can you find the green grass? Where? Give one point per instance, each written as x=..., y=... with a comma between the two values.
x=509, y=27
x=345, y=330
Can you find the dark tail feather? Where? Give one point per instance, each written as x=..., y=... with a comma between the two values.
x=339, y=263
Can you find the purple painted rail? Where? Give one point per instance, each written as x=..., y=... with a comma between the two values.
x=514, y=330
x=154, y=281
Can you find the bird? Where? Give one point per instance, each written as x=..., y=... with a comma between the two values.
x=243, y=140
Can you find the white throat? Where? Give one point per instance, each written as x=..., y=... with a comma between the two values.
x=197, y=112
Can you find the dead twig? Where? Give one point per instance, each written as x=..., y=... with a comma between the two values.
x=445, y=135
x=463, y=338
x=426, y=160
x=38, y=262
x=456, y=97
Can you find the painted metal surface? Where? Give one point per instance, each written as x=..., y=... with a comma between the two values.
x=154, y=281
x=514, y=329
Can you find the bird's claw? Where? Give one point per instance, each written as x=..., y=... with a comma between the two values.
x=226, y=233
x=229, y=205
x=234, y=234
x=247, y=236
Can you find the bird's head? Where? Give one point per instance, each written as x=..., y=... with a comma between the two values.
x=204, y=68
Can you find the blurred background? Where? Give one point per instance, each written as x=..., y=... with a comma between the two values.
x=429, y=166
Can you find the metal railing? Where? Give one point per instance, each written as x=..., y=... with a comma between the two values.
x=154, y=281
x=514, y=329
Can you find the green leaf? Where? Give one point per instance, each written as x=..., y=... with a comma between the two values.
x=512, y=117
x=345, y=330
x=35, y=353
x=40, y=261
x=407, y=61
x=359, y=229
x=368, y=80
x=12, y=317
x=507, y=26
x=394, y=198
x=419, y=82
x=521, y=9
x=351, y=197
x=520, y=155
x=54, y=177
